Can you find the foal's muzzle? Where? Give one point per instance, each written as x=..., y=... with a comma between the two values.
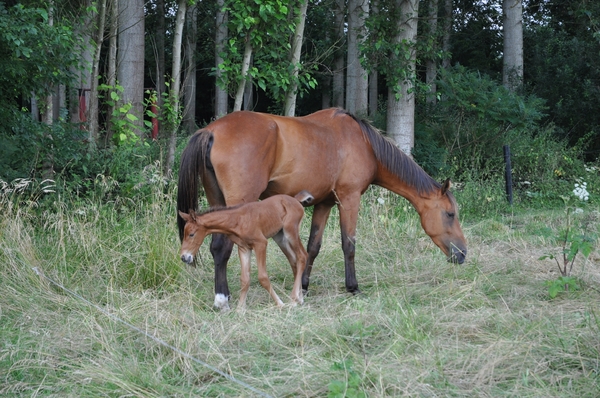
x=187, y=258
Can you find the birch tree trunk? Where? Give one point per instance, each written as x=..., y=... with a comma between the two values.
x=189, y=113
x=290, y=99
x=221, y=95
x=357, y=96
x=175, y=84
x=130, y=58
x=338, y=66
x=401, y=99
x=512, y=67
x=239, y=95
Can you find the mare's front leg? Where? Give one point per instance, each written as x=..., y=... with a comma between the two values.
x=220, y=248
x=348, y=208
x=319, y=219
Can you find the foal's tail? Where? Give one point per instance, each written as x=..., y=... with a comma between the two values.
x=195, y=165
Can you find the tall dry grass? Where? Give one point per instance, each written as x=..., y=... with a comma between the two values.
x=421, y=327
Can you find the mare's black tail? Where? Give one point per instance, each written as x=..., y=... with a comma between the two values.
x=195, y=164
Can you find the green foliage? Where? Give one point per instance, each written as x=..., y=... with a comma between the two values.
x=34, y=56
x=562, y=284
x=122, y=123
x=350, y=387
x=269, y=25
x=573, y=239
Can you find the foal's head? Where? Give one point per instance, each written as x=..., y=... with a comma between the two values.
x=439, y=218
x=193, y=236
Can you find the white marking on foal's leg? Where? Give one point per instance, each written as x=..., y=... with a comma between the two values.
x=221, y=302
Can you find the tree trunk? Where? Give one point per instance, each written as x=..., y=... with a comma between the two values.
x=512, y=71
x=78, y=93
x=357, y=96
x=47, y=116
x=373, y=75
x=290, y=100
x=239, y=96
x=338, y=63
x=431, y=63
x=94, y=132
x=161, y=68
x=447, y=31
x=189, y=113
x=175, y=84
x=130, y=58
x=401, y=99
x=221, y=95
x=111, y=77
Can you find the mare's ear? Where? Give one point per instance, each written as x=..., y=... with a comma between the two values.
x=446, y=185
x=186, y=217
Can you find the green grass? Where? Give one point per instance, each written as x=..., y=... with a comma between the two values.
x=421, y=327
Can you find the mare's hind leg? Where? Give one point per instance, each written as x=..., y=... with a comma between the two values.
x=220, y=248
x=320, y=215
x=260, y=249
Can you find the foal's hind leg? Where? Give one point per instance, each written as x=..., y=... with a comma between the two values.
x=260, y=249
x=245, y=255
x=291, y=246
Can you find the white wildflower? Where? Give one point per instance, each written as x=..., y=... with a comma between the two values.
x=581, y=191
x=380, y=201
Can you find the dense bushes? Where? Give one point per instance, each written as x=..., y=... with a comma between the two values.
x=462, y=137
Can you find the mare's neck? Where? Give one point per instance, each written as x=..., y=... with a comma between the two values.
x=394, y=183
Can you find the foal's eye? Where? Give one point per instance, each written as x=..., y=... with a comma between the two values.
x=191, y=235
x=450, y=214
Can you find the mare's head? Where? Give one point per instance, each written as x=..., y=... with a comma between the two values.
x=439, y=219
x=193, y=236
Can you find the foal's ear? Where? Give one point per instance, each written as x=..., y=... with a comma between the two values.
x=186, y=217
x=446, y=185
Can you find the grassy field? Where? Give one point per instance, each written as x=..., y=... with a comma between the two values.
x=421, y=327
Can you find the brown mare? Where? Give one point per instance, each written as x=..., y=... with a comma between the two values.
x=246, y=156
x=249, y=226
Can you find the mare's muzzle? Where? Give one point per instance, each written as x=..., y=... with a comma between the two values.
x=457, y=255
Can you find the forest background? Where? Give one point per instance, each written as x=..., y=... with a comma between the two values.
x=98, y=99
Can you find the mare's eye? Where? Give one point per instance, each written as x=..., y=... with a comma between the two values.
x=450, y=214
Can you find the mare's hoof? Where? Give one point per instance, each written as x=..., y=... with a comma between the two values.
x=355, y=291
x=221, y=302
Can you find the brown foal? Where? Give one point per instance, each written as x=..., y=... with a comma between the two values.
x=249, y=226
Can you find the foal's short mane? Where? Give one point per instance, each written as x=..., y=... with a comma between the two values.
x=394, y=160
x=215, y=209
